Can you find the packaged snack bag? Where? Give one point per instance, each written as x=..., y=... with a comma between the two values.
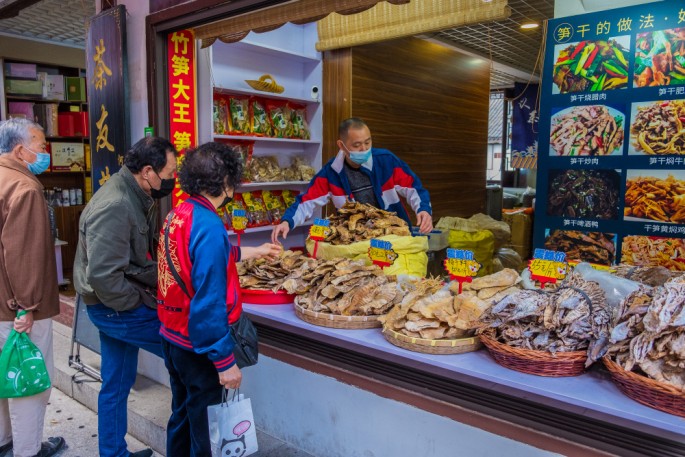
x=237, y=203
x=259, y=121
x=220, y=115
x=256, y=210
x=239, y=119
x=298, y=119
x=273, y=199
x=289, y=197
x=279, y=117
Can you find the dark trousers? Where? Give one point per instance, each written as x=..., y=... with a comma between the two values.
x=194, y=386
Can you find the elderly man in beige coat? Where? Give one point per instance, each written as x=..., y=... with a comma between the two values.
x=28, y=278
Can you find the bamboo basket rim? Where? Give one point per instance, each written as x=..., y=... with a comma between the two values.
x=336, y=320
x=426, y=346
x=634, y=385
x=540, y=363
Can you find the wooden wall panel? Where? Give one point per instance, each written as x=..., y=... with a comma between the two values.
x=429, y=105
x=336, y=96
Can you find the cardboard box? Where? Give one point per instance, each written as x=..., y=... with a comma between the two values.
x=67, y=156
x=521, y=225
x=23, y=87
x=55, y=85
x=72, y=124
x=75, y=89
x=20, y=109
x=21, y=70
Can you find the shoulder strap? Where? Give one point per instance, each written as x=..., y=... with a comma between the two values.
x=169, y=262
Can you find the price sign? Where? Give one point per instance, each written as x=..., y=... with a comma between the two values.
x=381, y=253
x=547, y=266
x=320, y=230
x=239, y=220
x=461, y=266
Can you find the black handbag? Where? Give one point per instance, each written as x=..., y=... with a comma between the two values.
x=243, y=331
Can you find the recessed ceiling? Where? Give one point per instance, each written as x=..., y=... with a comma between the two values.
x=514, y=50
x=505, y=40
x=59, y=21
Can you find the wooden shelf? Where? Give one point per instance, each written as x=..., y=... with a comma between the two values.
x=259, y=185
x=227, y=90
x=264, y=138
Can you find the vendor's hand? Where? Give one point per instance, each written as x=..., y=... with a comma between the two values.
x=424, y=221
x=231, y=378
x=281, y=229
x=24, y=323
x=269, y=250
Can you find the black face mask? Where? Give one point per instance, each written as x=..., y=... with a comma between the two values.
x=165, y=189
x=225, y=202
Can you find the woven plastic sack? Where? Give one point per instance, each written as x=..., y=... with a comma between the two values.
x=500, y=230
x=22, y=368
x=411, y=253
x=481, y=242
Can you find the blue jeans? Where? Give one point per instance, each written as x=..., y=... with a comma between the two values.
x=121, y=335
x=194, y=386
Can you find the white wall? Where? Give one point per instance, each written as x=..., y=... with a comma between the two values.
x=564, y=8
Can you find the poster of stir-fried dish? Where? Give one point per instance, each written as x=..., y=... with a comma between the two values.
x=612, y=118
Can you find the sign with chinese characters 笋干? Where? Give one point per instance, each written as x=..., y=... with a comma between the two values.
x=461, y=266
x=181, y=65
x=611, y=144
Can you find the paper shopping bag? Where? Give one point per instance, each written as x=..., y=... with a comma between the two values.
x=232, y=432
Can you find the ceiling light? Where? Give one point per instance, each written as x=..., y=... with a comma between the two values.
x=530, y=25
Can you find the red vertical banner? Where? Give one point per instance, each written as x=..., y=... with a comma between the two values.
x=182, y=97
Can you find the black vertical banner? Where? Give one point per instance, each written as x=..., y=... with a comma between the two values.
x=108, y=108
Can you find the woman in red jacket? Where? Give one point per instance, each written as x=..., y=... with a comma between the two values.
x=196, y=341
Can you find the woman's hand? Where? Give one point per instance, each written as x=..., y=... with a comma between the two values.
x=231, y=378
x=269, y=250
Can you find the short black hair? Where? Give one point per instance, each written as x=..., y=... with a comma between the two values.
x=209, y=168
x=347, y=124
x=151, y=150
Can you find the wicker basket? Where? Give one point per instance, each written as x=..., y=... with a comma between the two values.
x=336, y=320
x=265, y=83
x=456, y=346
x=647, y=391
x=541, y=363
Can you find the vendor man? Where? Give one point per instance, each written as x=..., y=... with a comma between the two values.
x=366, y=174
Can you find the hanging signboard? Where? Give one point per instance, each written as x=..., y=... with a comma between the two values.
x=611, y=174
x=182, y=97
x=107, y=76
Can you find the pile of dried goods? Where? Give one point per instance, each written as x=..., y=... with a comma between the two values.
x=343, y=287
x=651, y=276
x=268, y=274
x=650, y=335
x=430, y=311
x=359, y=222
x=575, y=317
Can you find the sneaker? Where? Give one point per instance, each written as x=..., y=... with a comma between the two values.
x=144, y=453
x=51, y=447
x=5, y=449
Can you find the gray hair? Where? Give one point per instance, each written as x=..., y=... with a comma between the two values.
x=15, y=131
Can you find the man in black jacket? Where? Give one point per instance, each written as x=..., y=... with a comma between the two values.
x=115, y=272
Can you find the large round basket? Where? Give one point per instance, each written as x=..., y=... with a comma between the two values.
x=456, y=346
x=336, y=320
x=541, y=363
x=647, y=391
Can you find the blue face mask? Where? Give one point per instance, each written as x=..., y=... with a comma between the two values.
x=41, y=164
x=360, y=157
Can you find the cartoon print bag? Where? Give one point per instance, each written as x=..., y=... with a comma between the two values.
x=232, y=432
x=22, y=368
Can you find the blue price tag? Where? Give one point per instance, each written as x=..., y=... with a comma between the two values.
x=322, y=222
x=239, y=213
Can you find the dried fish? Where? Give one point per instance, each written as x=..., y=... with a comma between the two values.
x=268, y=274
x=359, y=222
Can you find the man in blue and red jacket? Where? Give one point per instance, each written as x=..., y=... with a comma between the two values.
x=362, y=173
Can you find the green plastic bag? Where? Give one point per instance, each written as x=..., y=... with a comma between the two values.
x=22, y=368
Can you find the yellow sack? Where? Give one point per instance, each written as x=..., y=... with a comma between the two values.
x=481, y=242
x=411, y=253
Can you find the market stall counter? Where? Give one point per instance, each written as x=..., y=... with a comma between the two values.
x=587, y=409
